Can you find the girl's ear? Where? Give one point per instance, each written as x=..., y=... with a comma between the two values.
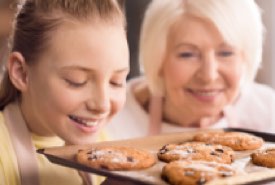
x=17, y=69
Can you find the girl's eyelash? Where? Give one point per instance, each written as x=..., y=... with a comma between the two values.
x=75, y=84
x=117, y=84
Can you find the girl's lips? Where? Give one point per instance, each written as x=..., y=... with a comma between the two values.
x=86, y=125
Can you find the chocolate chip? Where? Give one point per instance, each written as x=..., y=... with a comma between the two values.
x=219, y=150
x=92, y=157
x=163, y=150
x=130, y=159
x=213, y=153
x=90, y=152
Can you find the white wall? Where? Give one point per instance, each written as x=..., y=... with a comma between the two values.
x=267, y=72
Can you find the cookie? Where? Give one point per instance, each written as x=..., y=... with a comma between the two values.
x=264, y=158
x=116, y=158
x=196, y=151
x=195, y=172
x=235, y=140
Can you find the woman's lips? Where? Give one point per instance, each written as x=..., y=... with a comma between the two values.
x=205, y=95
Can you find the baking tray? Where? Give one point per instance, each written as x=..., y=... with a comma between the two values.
x=251, y=174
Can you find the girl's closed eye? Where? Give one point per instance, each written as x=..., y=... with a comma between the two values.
x=75, y=83
x=119, y=78
x=118, y=84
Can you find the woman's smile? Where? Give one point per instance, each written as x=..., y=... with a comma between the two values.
x=205, y=95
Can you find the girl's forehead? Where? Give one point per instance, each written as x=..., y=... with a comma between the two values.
x=74, y=35
x=88, y=46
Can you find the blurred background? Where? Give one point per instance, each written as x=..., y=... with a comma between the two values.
x=267, y=72
x=7, y=12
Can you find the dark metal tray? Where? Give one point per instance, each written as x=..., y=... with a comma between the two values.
x=65, y=156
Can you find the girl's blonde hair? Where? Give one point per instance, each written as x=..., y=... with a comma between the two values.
x=37, y=19
x=239, y=21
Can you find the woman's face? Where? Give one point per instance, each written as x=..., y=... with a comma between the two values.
x=79, y=82
x=201, y=72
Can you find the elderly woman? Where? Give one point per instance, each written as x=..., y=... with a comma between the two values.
x=200, y=60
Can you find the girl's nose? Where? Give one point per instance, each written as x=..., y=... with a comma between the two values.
x=99, y=101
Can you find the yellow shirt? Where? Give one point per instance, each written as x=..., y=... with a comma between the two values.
x=50, y=173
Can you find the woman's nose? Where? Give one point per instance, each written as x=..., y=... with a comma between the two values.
x=208, y=70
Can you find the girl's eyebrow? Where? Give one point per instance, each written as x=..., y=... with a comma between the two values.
x=126, y=69
x=80, y=68
x=74, y=67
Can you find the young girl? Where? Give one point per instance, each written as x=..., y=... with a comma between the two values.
x=65, y=80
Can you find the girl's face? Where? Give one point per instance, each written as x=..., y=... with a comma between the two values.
x=79, y=83
x=201, y=72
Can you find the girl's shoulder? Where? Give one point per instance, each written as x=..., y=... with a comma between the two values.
x=8, y=161
x=4, y=134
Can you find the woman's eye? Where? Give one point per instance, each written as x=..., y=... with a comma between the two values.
x=187, y=55
x=225, y=53
x=75, y=84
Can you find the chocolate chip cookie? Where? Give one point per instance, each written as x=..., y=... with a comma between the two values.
x=195, y=172
x=264, y=158
x=116, y=158
x=196, y=151
x=235, y=140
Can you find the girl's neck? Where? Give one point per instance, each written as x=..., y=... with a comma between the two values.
x=33, y=122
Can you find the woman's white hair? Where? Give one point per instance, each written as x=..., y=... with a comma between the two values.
x=239, y=22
